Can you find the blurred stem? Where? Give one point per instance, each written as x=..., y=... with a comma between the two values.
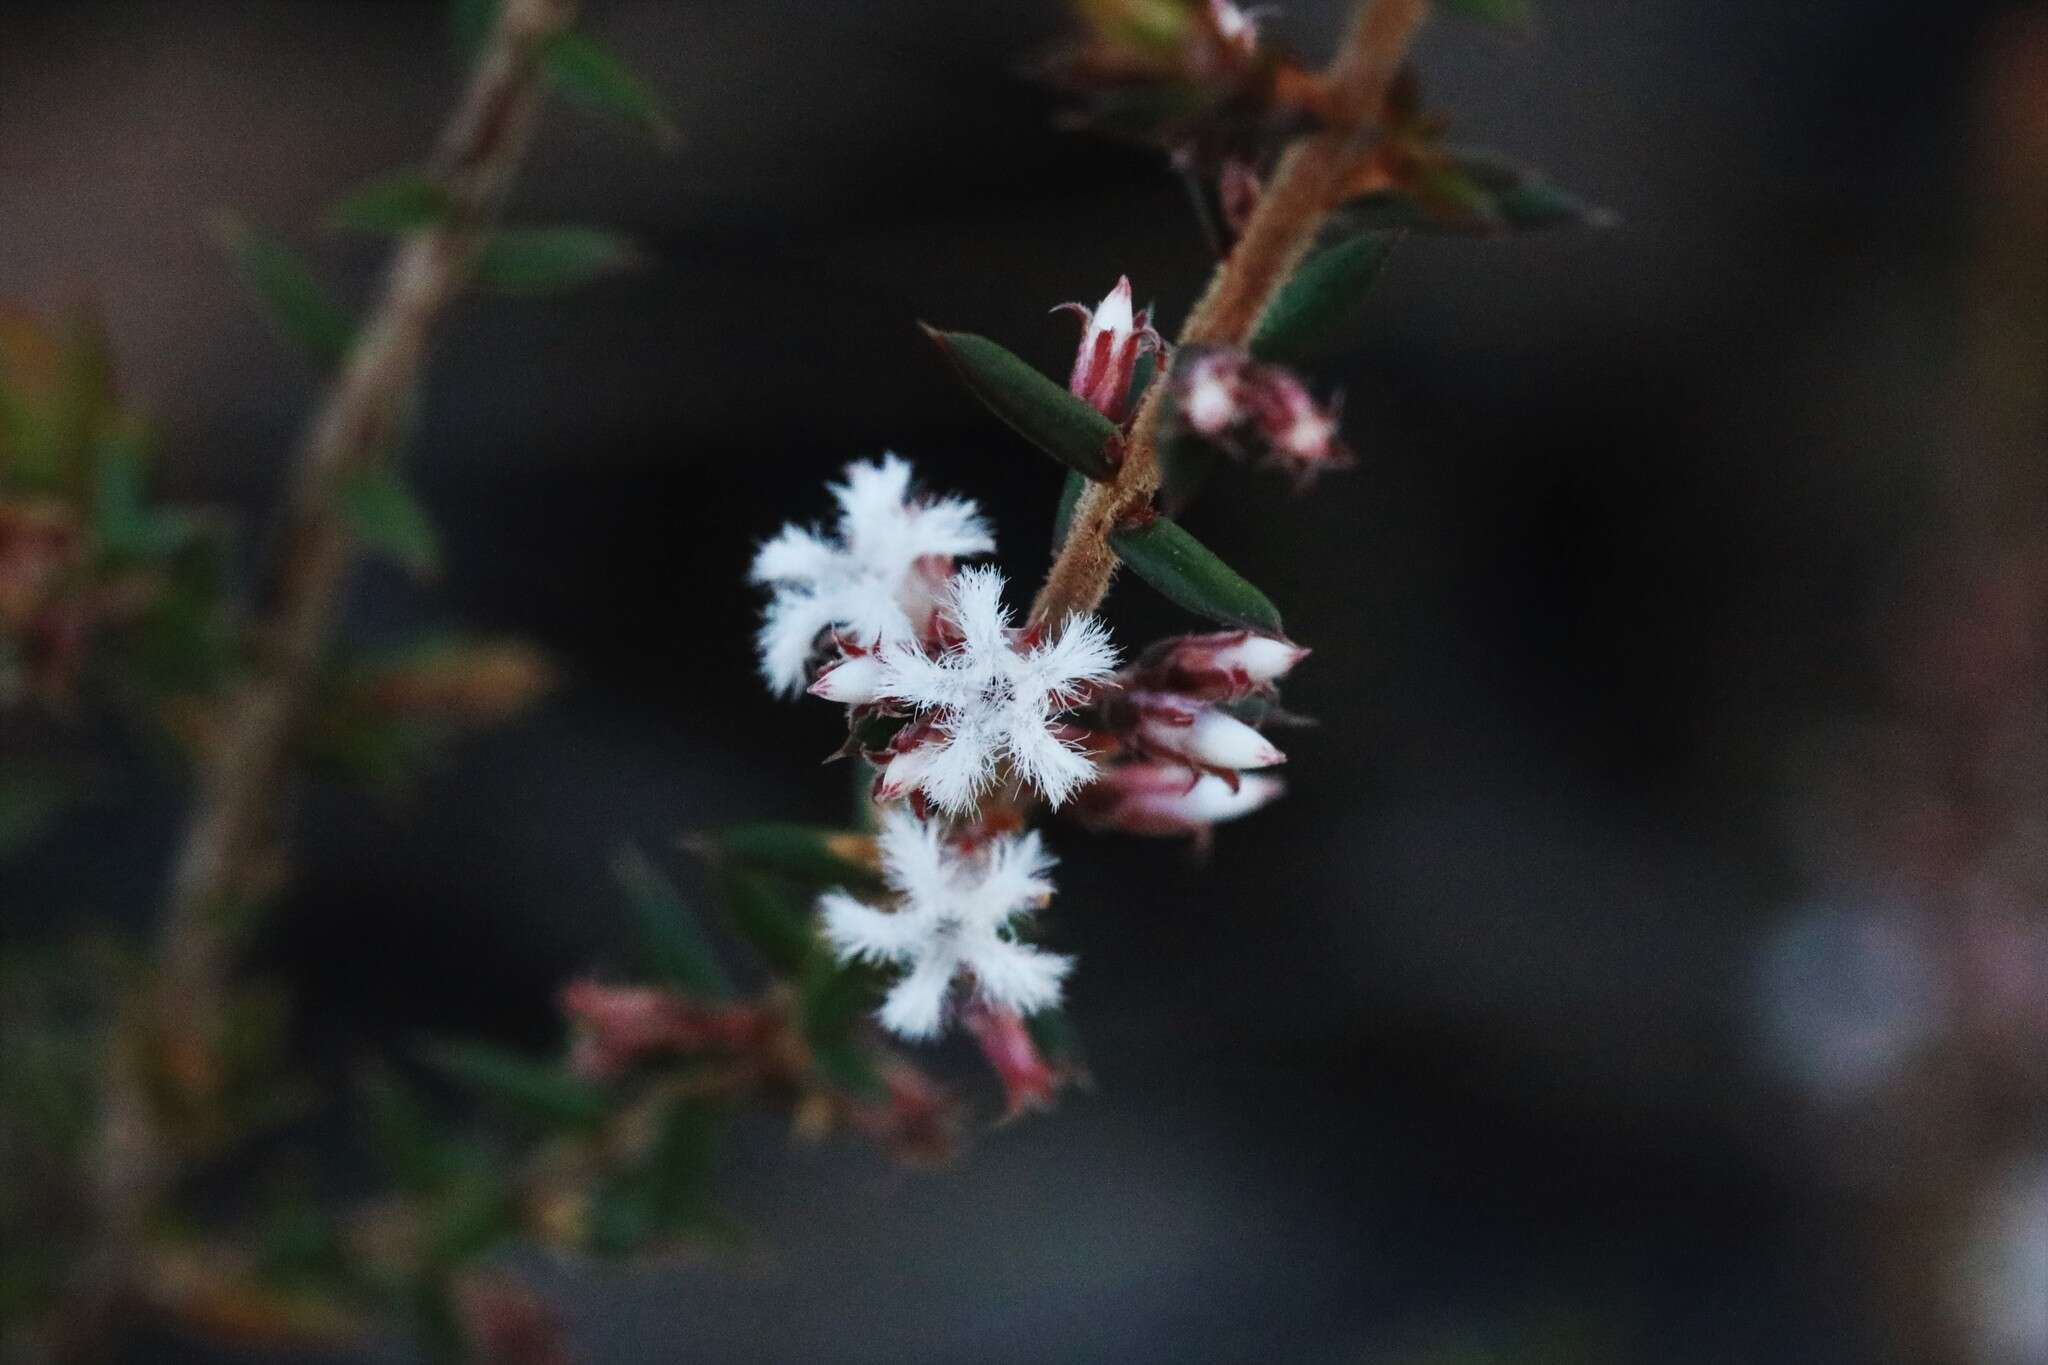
x=1306, y=186
x=229, y=844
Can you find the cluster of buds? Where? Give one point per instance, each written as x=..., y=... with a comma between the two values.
x=1253, y=410
x=614, y=1029
x=1112, y=339
x=1187, y=757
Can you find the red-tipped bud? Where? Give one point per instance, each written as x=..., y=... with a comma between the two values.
x=1298, y=434
x=1029, y=1081
x=1209, y=394
x=1169, y=799
x=1178, y=727
x=853, y=680
x=917, y=1121
x=1226, y=666
x=617, y=1027
x=1112, y=339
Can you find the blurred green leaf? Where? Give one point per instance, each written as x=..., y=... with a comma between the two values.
x=474, y=1213
x=521, y=1085
x=404, y=201
x=806, y=853
x=129, y=528
x=1474, y=192
x=1324, y=299
x=1033, y=406
x=469, y=24
x=767, y=917
x=833, y=999
x=678, y=950
x=402, y=1135
x=1187, y=574
x=550, y=260
x=588, y=73
x=386, y=516
x=297, y=304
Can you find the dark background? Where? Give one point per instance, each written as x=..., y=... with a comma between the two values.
x=1452, y=1044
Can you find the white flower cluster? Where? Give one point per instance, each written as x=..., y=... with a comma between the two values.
x=874, y=583
x=955, y=915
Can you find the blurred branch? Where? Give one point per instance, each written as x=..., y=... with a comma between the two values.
x=1306, y=186
x=229, y=845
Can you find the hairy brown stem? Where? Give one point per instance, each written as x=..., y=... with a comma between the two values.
x=228, y=845
x=1306, y=186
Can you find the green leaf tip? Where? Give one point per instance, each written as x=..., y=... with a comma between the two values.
x=1033, y=406
x=297, y=304
x=588, y=73
x=551, y=259
x=386, y=516
x=1189, y=575
x=1324, y=299
x=403, y=201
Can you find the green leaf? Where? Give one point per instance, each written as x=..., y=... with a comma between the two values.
x=128, y=527
x=1323, y=301
x=294, y=300
x=1037, y=409
x=477, y=1211
x=404, y=201
x=1474, y=192
x=1070, y=497
x=1516, y=13
x=386, y=516
x=805, y=853
x=678, y=950
x=833, y=999
x=1188, y=575
x=550, y=260
x=588, y=73
x=762, y=913
x=668, y=1192
x=520, y=1085
x=402, y=1134
x=469, y=23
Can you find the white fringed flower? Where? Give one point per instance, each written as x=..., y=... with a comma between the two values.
x=996, y=696
x=874, y=581
x=954, y=913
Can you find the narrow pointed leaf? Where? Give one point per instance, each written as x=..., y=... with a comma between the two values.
x=1323, y=301
x=588, y=73
x=804, y=853
x=297, y=304
x=402, y=1134
x=550, y=260
x=387, y=517
x=678, y=950
x=1035, y=407
x=404, y=201
x=539, y=1090
x=1188, y=575
x=765, y=914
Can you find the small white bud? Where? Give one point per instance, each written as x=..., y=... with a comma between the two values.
x=855, y=680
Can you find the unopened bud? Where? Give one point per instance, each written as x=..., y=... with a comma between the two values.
x=854, y=680
x=1168, y=799
x=1225, y=666
x=1178, y=727
x=1112, y=339
x=1029, y=1081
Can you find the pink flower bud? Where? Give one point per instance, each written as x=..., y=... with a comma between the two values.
x=1297, y=434
x=854, y=680
x=1210, y=395
x=1238, y=31
x=1029, y=1081
x=1179, y=727
x=916, y=1120
x=1226, y=666
x=1112, y=339
x=902, y=771
x=506, y=1323
x=617, y=1027
x=1169, y=799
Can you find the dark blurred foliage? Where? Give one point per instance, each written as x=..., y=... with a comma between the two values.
x=1449, y=1047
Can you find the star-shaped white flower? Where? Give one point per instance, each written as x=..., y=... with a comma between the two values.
x=955, y=913
x=996, y=697
x=875, y=580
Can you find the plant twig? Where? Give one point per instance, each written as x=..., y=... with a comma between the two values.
x=1305, y=187
x=228, y=844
